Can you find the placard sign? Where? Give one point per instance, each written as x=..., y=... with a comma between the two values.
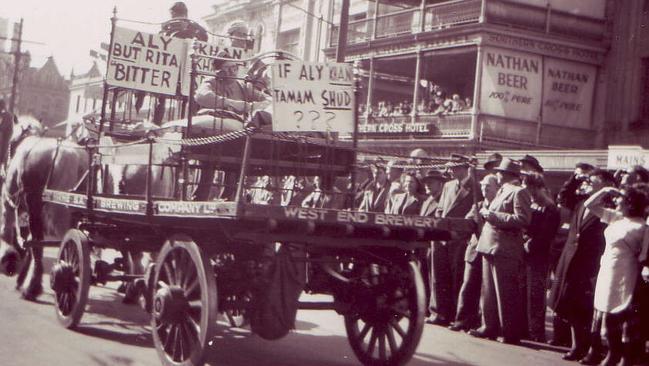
x=144, y=61
x=211, y=48
x=568, y=89
x=313, y=97
x=511, y=84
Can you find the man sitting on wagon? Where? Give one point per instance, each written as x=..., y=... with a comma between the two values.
x=227, y=92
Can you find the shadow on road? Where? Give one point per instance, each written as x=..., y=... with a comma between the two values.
x=107, y=318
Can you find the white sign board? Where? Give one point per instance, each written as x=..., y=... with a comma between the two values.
x=624, y=157
x=511, y=84
x=313, y=97
x=144, y=61
x=568, y=90
x=211, y=48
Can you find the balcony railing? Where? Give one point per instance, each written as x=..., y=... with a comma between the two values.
x=437, y=16
x=459, y=12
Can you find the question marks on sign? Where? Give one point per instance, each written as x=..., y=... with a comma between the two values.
x=315, y=115
x=331, y=116
x=299, y=115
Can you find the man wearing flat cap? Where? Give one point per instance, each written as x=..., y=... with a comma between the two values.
x=447, y=257
x=501, y=247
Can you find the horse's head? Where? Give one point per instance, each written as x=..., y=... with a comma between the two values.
x=77, y=131
x=24, y=126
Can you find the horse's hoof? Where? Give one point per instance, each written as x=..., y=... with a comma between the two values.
x=9, y=262
x=131, y=295
x=32, y=293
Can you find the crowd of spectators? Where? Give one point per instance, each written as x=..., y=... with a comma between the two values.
x=499, y=281
x=439, y=104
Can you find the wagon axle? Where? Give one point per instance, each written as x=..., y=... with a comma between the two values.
x=62, y=277
x=170, y=305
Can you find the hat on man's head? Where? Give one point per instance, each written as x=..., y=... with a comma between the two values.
x=492, y=161
x=432, y=175
x=529, y=159
x=418, y=153
x=509, y=166
x=584, y=166
x=179, y=7
x=238, y=27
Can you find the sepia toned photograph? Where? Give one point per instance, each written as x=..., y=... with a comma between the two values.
x=324, y=182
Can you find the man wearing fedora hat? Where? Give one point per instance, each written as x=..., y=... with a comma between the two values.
x=433, y=182
x=468, y=304
x=530, y=164
x=492, y=161
x=501, y=247
x=447, y=257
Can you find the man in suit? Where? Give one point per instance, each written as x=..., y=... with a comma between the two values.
x=447, y=257
x=467, y=315
x=433, y=182
x=408, y=202
x=501, y=247
x=376, y=194
x=573, y=290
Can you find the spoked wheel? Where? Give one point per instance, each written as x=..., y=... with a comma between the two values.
x=386, y=321
x=184, y=303
x=70, y=278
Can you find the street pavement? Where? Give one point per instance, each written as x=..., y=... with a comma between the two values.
x=111, y=333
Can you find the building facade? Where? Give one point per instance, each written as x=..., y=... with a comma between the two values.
x=41, y=92
x=476, y=75
x=297, y=26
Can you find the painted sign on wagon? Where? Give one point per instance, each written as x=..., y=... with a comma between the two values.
x=313, y=97
x=145, y=61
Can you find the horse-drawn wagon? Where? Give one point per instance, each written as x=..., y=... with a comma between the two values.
x=225, y=250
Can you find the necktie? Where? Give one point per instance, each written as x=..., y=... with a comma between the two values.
x=403, y=205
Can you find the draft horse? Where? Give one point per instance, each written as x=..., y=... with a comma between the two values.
x=37, y=162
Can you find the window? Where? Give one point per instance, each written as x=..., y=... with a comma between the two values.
x=78, y=102
x=289, y=41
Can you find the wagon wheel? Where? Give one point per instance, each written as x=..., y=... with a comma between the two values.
x=70, y=278
x=387, y=317
x=184, y=304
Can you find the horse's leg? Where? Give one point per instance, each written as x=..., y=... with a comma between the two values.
x=10, y=253
x=35, y=206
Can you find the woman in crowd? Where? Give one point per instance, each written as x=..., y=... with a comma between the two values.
x=619, y=265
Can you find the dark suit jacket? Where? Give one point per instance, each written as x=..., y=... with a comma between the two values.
x=374, y=200
x=456, y=198
x=429, y=206
x=509, y=213
x=411, y=207
x=576, y=273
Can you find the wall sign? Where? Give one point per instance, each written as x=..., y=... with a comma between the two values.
x=568, y=90
x=511, y=84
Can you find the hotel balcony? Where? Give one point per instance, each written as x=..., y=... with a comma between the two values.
x=449, y=14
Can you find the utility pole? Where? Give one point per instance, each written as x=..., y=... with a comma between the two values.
x=17, y=55
x=342, y=32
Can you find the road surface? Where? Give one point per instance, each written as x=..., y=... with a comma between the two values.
x=114, y=334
